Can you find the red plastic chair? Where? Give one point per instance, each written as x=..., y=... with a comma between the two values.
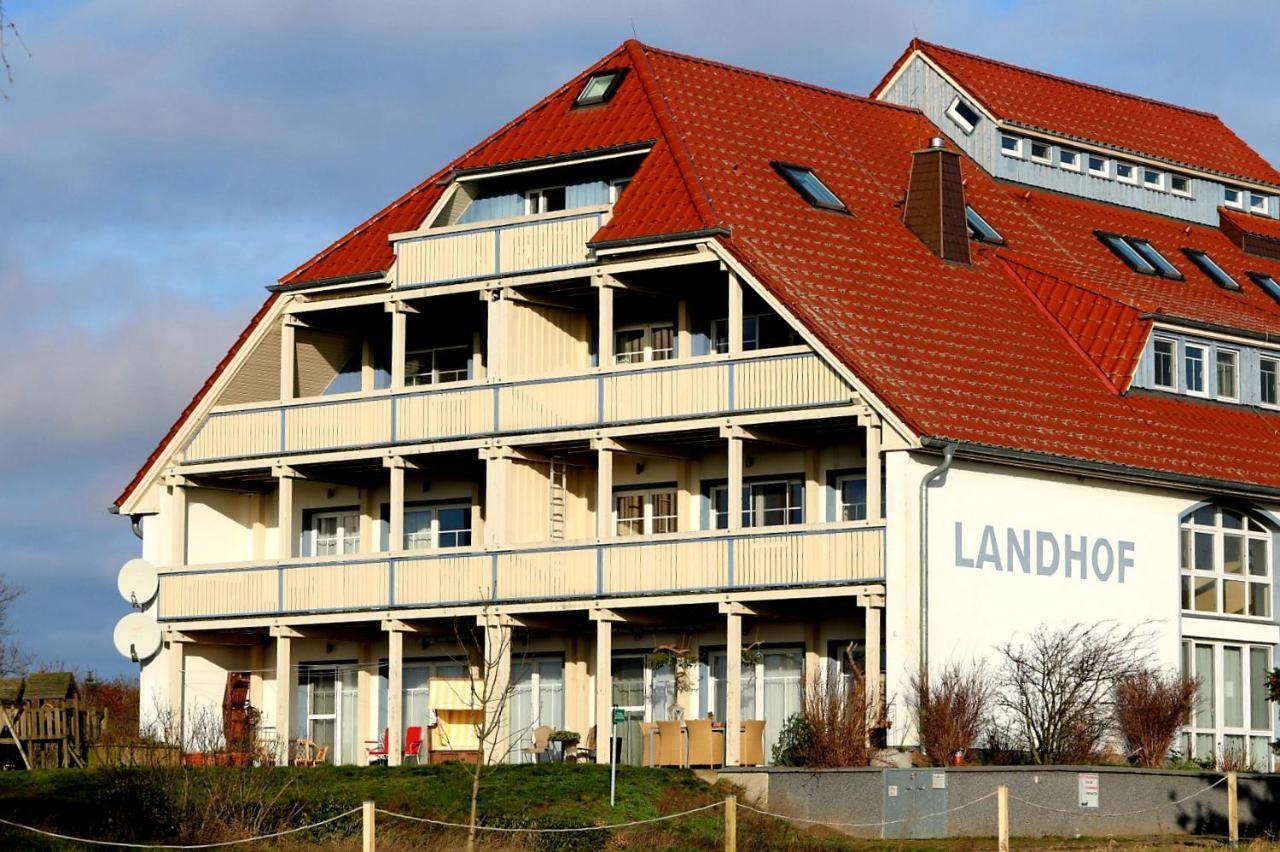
x=413, y=744
x=379, y=750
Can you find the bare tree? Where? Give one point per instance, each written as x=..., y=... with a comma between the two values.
x=952, y=709
x=1151, y=707
x=8, y=34
x=14, y=659
x=1057, y=687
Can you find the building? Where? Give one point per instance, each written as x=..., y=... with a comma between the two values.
x=692, y=357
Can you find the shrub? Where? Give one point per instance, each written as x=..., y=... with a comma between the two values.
x=794, y=741
x=1150, y=710
x=951, y=710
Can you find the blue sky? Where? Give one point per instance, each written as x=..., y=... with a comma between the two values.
x=160, y=163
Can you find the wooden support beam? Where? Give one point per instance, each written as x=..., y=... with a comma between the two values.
x=632, y=447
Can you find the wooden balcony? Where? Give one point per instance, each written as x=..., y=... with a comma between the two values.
x=655, y=392
x=490, y=249
x=679, y=563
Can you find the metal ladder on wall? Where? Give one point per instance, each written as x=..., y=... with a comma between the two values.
x=559, y=487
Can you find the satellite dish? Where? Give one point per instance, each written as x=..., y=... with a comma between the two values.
x=138, y=582
x=137, y=637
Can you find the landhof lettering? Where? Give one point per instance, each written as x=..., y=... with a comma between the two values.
x=1044, y=554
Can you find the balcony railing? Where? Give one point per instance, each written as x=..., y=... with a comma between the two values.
x=654, y=392
x=680, y=563
x=489, y=249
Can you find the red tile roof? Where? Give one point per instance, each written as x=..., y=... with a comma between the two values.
x=1030, y=348
x=1114, y=119
x=1262, y=226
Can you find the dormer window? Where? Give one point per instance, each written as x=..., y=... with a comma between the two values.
x=1259, y=204
x=1041, y=152
x=964, y=114
x=980, y=229
x=1069, y=159
x=1153, y=179
x=804, y=181
x=1209, y=267
x=1126, y=172
x=1011, y=146
x=1180, y=185
x=1099, y=166
x=1232, y=197
x=546, y=200
x=599, y=87
x=1267, y=283
x=1139, y=255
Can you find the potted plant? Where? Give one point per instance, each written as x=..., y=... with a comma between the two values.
x=562, y=741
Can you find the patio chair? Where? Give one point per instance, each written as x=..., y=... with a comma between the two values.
x=378, y=752
x=309, y=753
x=586, y=752
x=412, y=744
x=541, y=737
x=647, y=730
x=751, y=751
x=670, y=744
x=706, y=745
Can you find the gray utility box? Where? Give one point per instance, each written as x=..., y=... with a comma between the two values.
x=915, y=803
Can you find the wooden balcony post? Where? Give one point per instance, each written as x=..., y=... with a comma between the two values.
x=177, y=692
x=395, y=691
x=497, y=687
x=684, y=333
x=285, y=683
x=733, y=689
x=368, y=374
x=604, y=343
x=366, y=686
x=872, y=609
x=178, y=529
x=395, y=534
x=874, y=485
x=497, y=313
x=604, y=492
x=495, y=495
x=813, y=502
x=734, y=499
x=735, y=315
x=399, y=328
x=604, y=682
x=288, y=540
x=288, y=356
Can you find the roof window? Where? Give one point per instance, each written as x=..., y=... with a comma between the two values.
x=980, y=229
x=804, y=181
x=600, y=87
x=1267, y=283
x=1212, y=269
x=1139, y=255
x=963, y=113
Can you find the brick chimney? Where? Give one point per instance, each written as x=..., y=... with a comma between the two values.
x=935, y=210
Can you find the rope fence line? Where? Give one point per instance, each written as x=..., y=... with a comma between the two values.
x=118, y=844
x=880, y=824
x=1085, y=812
x=518, y=830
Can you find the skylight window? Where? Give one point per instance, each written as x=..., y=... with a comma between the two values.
x=1069, y=159
x=600, y=87
x=1212, y=269
x=804, y=181
x=1151, y=255
x=1099, y=166
x=1267, y=283
x=964, y=114
x=980, y=229
x=1128, y=253
x=1041, y=152
x=1011, y=146
x=1126, y=172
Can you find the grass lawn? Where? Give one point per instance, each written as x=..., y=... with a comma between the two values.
x=206, y=805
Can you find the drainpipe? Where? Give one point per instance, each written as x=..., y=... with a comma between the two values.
x=939, y=473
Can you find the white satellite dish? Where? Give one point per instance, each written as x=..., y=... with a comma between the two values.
x=137, y=637
x=138, y=581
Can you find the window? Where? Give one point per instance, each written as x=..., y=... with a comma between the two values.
x=980, y=229
x=616, y=187
x=1155, y=258
x=1069, y=159
x=1180, y=184
x=1041, y=152
x=335, y=533
x=1232, y=719
x=1126, y=172
x=851, y=492
x=1226, y=563
x=645, y=512
x=1233, y=197
x=1267, y=283
x=963, y=113
x=437, y=526
x=1098, y=166
x=1269, y=381
x=1259, y=203
x=759, y=331
x=436, y=366
x=1126, y=252
x=1215, y=272
x=600, y=87
x=765, y=503
x=810, y=186
x=1011, y=146
x=1153, y=179
x=1227, y=373
x=1166, y=363
x=645, y=342
x=546, y=200
x=1193, y=357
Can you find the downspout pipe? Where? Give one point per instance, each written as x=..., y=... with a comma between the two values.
x=934, y=478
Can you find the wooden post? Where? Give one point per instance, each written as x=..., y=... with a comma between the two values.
x=284, y=693
x=367, y=816
x=733, y=691
x=288, y=356
x=1002, y=817
x=399, y=322
x=604, y=493
x=604, y=342
x=1233, y=808
x=604, y=685
x=395, y=693
x=730, y=824
x=395, y=532
x=874, y=485
x=735, y=316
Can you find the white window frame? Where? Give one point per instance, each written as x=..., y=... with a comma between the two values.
x=1132, y=180
x=649, y=352
x=1213, y=687
x=1074, y=163
x=1204, y=368
x=840, y=481
x=1251, y=531
x=1104, y=172
x=1155, y=361
x=616, y=186
x=341, y=534
x=434, y=377
x=432, y=533
x=1234, y=391
x=1275, y=381
x=535, y=200
x=1047, y=159
x=1019, y=149
x=1238, y=204
x=1259, y=203
x=954, y=114
x=649, y=518
x=1158, y=184
x=1184, y=193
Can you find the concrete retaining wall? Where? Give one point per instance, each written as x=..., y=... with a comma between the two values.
x=861, y=796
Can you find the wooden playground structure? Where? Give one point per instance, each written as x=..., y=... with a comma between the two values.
x=42, y=725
